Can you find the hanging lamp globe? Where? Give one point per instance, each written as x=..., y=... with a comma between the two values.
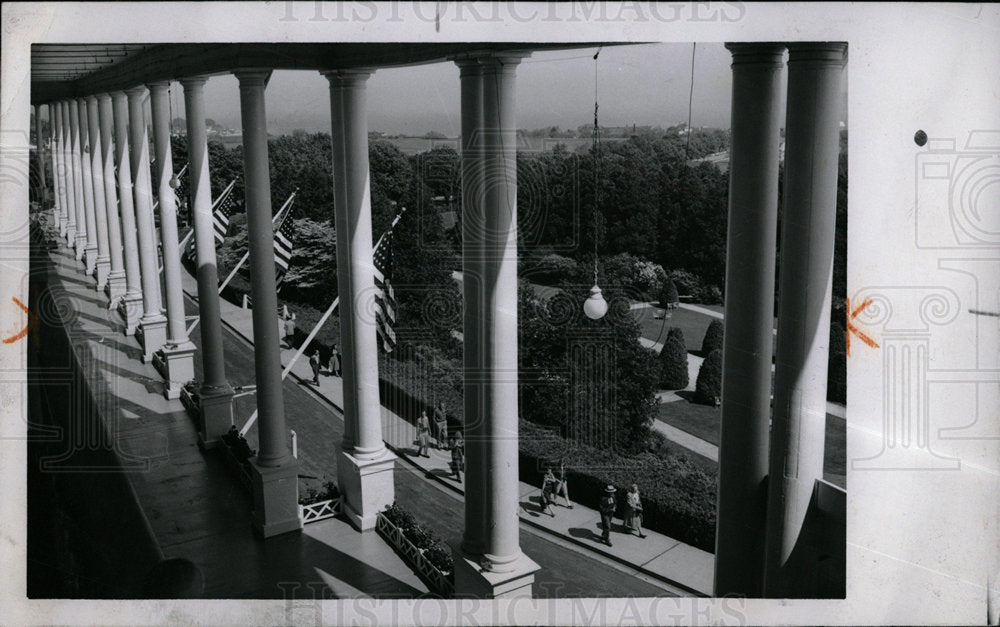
x=595, y=306
x=174, y=181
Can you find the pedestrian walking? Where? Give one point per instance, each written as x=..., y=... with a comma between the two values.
x=290, y=330
x=457, y=445
x=440, y=424
x=633, y=520
x=423, y=434
x=607, y=506
x=563, y=487
x=335, y=361
x=548, y=492
x=314, y=363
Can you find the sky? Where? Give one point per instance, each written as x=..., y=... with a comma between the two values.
x=644, y=84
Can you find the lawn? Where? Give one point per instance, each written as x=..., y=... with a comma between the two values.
x=703, y=422
x=692, y=323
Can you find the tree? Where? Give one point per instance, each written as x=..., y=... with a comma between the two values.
x=674, y=361
x=312, y=272
x=713, y=337
x=708, y=387
x=669, y=298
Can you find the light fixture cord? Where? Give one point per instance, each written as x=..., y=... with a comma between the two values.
x=597, y=158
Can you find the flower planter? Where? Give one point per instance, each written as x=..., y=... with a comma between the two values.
x=320, y=510
x=192, y=403
x=237, y=468
x=437, y=580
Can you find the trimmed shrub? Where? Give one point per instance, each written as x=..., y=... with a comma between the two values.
x=713, y=338
x=669, y=298
x=674, y=362
x=708, y=387
x=679, y=499
x=553, y=268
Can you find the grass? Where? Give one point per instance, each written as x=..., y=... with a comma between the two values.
x=691, y=323
x=704, y=422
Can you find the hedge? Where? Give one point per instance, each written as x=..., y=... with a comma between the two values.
x=708, y=387
x=713, y=337
x=679, y=499
x=674, y=361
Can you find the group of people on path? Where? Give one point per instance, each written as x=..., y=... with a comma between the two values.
x=286, y=331
x=633, y=512
x=454, y=442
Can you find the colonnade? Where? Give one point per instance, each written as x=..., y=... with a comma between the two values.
x=104, y=202
x=769, y=464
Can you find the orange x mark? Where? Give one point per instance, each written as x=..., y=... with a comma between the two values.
x=32, y=323
x=851, y=315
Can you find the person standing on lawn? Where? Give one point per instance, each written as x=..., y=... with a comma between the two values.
x=314, y=363
x=290, y=330
x=633, y=521
x=423, y=434
x=563, y=486
x=607, y=506
x=440, y=425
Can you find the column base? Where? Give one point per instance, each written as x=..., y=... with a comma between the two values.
x=216, y=415
x=115, y=287
x=70, y=235
x=175, y=363
x=152, y=335
x=367, y=487
x=101, y=272
x=80, y=245
x=473, y=581
x=90, y=257
x=130, y=310
x=275, y=498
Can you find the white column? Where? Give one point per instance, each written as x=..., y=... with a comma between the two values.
x=66, y=172
x=130, y=306
x=491, y=314
x=73, y=113
x=55, y=130
x=274, y=468
x=471, y=77
x=808, y=225
x=215, y=393
x=365, y=465
x=40, y=156
x=746, y=361
x=116, y=275
x=100, y=199
x=176, y=362
x=87, y=180
x=152, y=333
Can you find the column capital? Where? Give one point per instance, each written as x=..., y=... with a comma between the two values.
x=251, y=77
x=135, y=92
x=818, y=54
x=104, y=97
x=351, y=76
x=90, y=98
x=191, y=82
x=757, y=53
x=158, y=86
x=506, y=62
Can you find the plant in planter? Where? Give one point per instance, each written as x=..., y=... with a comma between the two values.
x=420, y=537
x=440, y=556
x=191, y=388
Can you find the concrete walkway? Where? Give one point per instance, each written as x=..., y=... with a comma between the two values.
x=655, y=555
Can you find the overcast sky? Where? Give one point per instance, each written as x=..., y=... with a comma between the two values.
x=636, y=84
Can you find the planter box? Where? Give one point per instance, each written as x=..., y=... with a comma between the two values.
x=438, y=581
x=192, y=404
x=237, y=469
x=320, y=510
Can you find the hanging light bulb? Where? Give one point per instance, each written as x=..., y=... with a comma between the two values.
x=174, y=182
x=595, y=306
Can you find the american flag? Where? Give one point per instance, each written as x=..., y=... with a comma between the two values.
x=220, y=217
x=385, y=299
x=282, y=250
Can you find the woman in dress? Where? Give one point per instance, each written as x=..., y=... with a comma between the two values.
x=423, y=434
x=633, y=519
x=563, y=487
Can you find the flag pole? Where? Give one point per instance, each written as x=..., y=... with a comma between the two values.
x=246, y=256
x=312, y=334
x=215, y=204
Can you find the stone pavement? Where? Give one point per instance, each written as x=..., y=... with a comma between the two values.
x=655, y=555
